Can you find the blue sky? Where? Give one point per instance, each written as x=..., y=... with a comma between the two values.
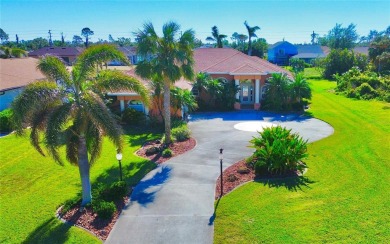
x=292, y=20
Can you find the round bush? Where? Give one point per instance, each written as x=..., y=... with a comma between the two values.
x=365, y=91
x=5, y=120
x=181, y=133
x=104, y=210
x=167, y=153
x=134, y=117
x=278, y=151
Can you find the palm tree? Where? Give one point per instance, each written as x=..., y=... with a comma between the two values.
x=182, y=98
x=218, y=38
x=68, y=110
x=277, y=91
x=167, y=59
x=300, y=88
x=251, y=33
x=12, y=52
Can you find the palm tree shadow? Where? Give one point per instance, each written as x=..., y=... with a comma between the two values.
x=145, y=192
x=290, y=183
x=51, y=231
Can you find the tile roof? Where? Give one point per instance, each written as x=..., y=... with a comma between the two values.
x=18, y=72
x=57, y=51
x=231, y=61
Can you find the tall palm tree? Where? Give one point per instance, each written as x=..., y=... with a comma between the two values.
x=68, y=110
x=218, y=38
x=251, y=33
x=166, y=58
x=300, y=88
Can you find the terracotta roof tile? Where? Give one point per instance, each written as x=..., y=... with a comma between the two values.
x=18, y=72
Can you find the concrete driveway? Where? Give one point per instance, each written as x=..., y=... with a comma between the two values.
x=174, y=203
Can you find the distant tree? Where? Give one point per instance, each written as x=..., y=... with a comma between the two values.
x=62, y=39
x=197, y=43
x=251, y=33
x=111, y=39
x=235, y=39
x=37, y=43
x=340, y=38
x=314, y=37
x=216, y=37
x=378, y=52
x=86, y=32
x=171, y=59
x=77, y=40
x=124, y=42
x=17, y=39
x=3, y=35
x=337, y=62
x=297, y=64
x=259, y=47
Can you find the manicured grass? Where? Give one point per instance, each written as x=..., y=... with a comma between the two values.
x=33, y=186
x=343, y=197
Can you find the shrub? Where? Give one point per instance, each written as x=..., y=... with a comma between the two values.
x=152, y=150
x=134, y=117
x=298, y=65
x=5, y=120
x=365, y=91
x=69, y=204
x=278, y=151
x=115, y=191
x=181, y=133
x=104, y=210
x=167, y=153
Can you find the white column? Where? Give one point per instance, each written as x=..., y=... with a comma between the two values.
x=257, y=91
x=122, y=105
x=237, y=83
x=146, y=110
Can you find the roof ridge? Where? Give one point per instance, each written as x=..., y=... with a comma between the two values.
x=245, y=64
x=236, y=52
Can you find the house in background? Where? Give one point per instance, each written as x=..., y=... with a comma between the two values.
x=249, y=73
x=281, y=52
x=68, y=54
x=309, y=52
x=15, y=74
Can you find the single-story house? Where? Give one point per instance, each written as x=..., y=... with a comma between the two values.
x=15, y=74
x=281, y=52
x=309, y=52
x=68, y=54
x=129, y=52
x=249, y=73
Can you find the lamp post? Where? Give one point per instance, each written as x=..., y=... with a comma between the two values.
x=119, y=158
x=220, y=161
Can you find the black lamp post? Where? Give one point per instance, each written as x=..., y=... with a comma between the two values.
x=220, y=161
x=119, y=158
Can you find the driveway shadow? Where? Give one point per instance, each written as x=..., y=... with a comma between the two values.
x=145, y=192
x=290, y=183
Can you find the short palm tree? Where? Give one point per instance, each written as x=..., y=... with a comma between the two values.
x=182, y=98
x=300, y=88
x=68, y=110
x=166, y=59
x=218, y=38
x=251, y=33
x=12, y=52
x=277, y=91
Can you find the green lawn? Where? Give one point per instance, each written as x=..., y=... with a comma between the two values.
x=345, y=195
x=33, y=186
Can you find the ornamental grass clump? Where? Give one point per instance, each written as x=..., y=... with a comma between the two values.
x=278, y=152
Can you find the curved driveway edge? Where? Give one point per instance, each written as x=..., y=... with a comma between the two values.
x=174, y=203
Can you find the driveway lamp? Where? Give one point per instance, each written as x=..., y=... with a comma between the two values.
x=221, y=161
x=119, y=158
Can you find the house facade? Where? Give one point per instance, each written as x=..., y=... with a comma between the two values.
x=68, y=54
x=15, y=74
x=281, y=52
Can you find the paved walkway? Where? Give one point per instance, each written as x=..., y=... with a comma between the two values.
x=175, y=202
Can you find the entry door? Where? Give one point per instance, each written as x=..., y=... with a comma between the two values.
x=246, y=93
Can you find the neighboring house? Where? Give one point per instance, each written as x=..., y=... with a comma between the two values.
x=281, y=52
x=361, y=50
x=68, y=54
x=308, y=52
x=129, y=52
x=249, y=73
x=15, y=74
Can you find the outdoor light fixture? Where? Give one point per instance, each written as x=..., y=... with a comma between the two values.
x=220, y=161
x=119, y=158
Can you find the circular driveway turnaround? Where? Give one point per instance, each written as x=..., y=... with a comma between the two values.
x=174, y=203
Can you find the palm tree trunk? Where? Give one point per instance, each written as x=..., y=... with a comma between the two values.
x=167, y=110
x=84, y=172
x=250, y=47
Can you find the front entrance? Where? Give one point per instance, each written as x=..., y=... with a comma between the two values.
x=247, y=93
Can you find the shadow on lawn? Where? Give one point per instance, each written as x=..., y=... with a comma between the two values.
x=51, y=231
x=290, y=183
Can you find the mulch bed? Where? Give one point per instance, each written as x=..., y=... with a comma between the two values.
x=89, y=220
x=176, y=147
x=232, y=178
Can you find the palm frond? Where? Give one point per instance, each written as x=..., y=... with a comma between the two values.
x=35, y=96
x=57, y=119
x=170, y=30
x=114, y=81
x=72, y=144
x=147, y=40
x=94, y=139
x=38, y=124
x=54, y=69
x=98, y=113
